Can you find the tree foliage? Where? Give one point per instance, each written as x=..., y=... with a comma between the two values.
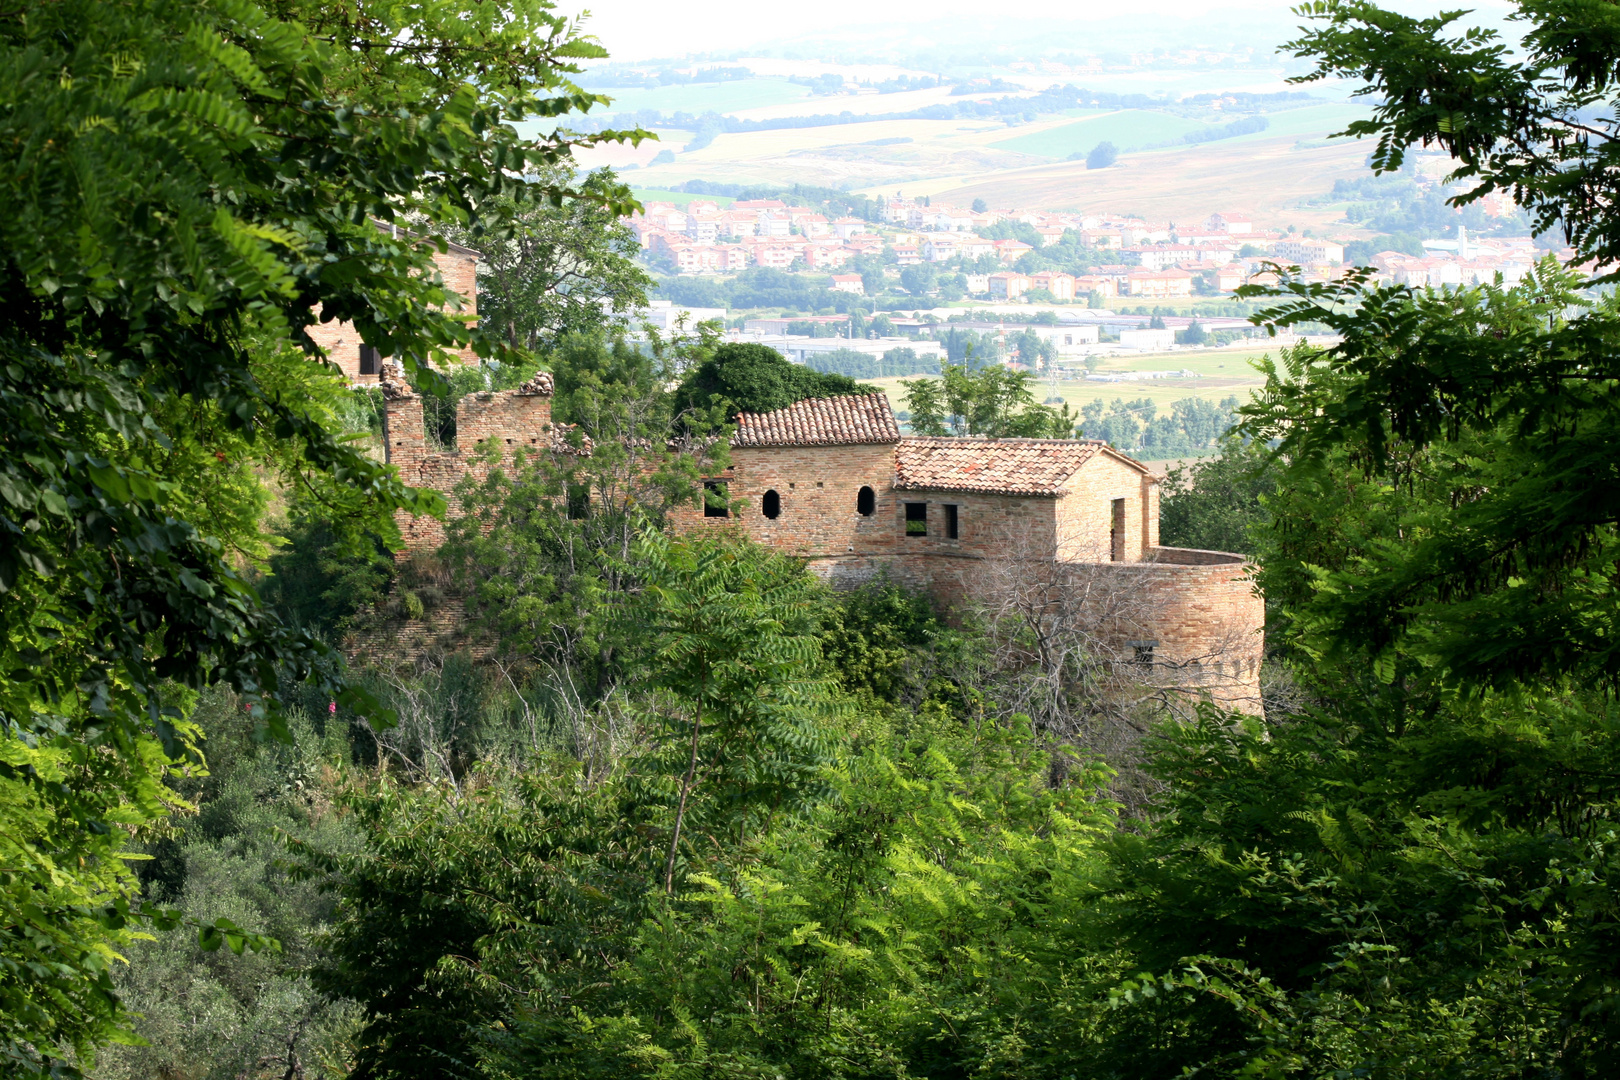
x=189, y=186
x=561, y=269
x=994, y=401
x=756, y=378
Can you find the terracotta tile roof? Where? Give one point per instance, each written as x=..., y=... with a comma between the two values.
x=1001, y=466
x=848, y=420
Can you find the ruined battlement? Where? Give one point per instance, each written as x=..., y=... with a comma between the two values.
x=507, y=421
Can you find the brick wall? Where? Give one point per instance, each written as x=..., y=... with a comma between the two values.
x=341, y=341
x=1085, y=513
x=819, y=486
x=1209, y=622
x=513, y=420
x=1200, y=607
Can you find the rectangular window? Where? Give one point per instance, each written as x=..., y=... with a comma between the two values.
x=1116, y=532
x=951, y=532
x=369, y=360
x=916, y=519
x=1144, y=651
x=579, y=501
x=715, y=503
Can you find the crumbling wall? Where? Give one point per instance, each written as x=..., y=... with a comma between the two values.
x=506, y=420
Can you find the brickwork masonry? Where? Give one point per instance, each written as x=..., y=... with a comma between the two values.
x=507, y=421
x=458, y=268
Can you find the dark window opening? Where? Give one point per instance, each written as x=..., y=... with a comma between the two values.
x=1116, y=532
x=865, y=502
x=1144, y=651
x=771, y=505
x=579, y=501
x=715, y=502
x=370, y=361
x=950, y=521
x=916, y=519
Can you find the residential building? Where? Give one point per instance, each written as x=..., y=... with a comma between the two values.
x=1159, y=284
x=1009, y=251
x=1230, y=224
x=1007, y=285
x=850, y=283
x=1059, y=284
x=1308, y=253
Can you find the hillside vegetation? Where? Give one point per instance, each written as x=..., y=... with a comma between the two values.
x=665, y=805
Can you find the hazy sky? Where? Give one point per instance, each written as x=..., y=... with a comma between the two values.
x=643, y=29
x=646, y=29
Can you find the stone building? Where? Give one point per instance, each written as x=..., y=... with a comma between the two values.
x=832, y=481
x=457, y=266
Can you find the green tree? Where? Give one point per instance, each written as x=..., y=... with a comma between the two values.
x=1102, y=155
x=1414, y=876
x=994, y=401
x=918, y=280
x=544, y=545
x=558, y=270
x=1219, y=503
x=756, y=378
x=189, y=187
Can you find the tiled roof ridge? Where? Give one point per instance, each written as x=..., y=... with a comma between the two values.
x=959, y=440
x=1041, y=467
x=836, y=420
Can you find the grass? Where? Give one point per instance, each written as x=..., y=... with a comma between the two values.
x=1127, y=130
x=1314, y=121
x=1222, y=374
x=679, y=198
x=720, y=97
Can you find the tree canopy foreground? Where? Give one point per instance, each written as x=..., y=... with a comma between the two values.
x=188, y=186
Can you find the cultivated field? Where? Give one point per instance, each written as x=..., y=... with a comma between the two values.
x=1127, y=129
x=1222, y=373
x=1264, y=175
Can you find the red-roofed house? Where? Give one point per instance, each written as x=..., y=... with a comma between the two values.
x=834, y=482
x=850, y=283
x=1059, y=284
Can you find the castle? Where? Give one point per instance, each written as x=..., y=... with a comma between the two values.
x=832, y=481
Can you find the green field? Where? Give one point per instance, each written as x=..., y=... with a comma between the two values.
x=1222, y=374
x=679, y=198
x=1128, y=130
x=720, y=97
x=1317, y=120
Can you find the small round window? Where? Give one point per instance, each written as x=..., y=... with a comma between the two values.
x=771, y=505
x=866, y=502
